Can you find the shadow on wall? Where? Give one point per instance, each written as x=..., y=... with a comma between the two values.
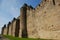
x=3, y=28
x=24, y=31
x=17, y=28
x=24, y=19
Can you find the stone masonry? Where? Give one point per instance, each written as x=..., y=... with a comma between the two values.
x=13, y=26
x=40, y=22
x=10, y=29
x=4, y=30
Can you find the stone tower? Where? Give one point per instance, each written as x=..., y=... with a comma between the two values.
x=15, y=27
x=23, y=21
x=8, y=27
x=2, y=32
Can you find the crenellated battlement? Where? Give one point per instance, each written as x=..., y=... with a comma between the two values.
x=14, y=20
x=40, y=22
x=42, y=4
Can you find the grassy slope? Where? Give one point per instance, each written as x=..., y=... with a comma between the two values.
x=16, y=38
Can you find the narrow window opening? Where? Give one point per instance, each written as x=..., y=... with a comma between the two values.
x=53, y=2
x=59, y=4
x=45, y=0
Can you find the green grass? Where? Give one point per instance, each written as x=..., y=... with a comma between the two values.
x=17, y=38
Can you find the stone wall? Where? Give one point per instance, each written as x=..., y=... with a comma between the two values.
x=46, y=21
x=32, y=32
x=5, y=30
x=23, y=21
x=16, y=27
x=10, y=29
x=43, y=21
x=40, y=22
x=2, y=32
x=13, y=26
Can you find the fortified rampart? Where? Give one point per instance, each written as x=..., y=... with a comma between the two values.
x=40, y=22
x=4, y=30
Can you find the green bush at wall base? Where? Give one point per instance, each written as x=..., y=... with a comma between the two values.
x=17, y=38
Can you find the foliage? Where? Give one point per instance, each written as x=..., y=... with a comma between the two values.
x=17, y=38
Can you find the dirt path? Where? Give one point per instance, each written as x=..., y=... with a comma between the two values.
x=3, y=38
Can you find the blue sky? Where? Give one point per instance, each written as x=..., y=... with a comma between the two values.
x=11, y=8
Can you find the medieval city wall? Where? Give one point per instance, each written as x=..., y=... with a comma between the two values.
x=49, y=21
x=44, y=22
x=13, y=26
x=23, y=21
x=17, y=28
x=40, y=22
x=2, y=30
x=31, y=24
x=5, y=30
x=10, y=29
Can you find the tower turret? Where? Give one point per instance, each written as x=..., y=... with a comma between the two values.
x=23, y=23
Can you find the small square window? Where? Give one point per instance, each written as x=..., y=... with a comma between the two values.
x=59, y=4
